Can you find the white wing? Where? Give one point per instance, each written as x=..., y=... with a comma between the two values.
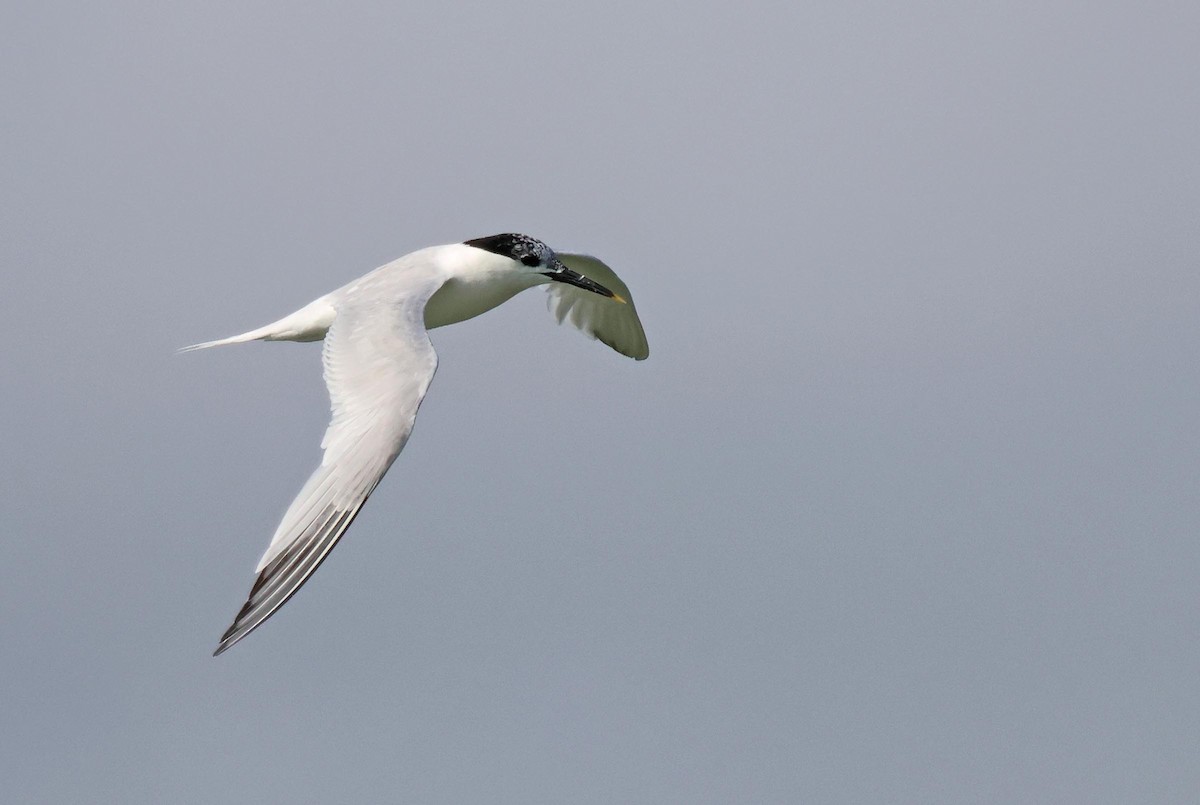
x=598, y=316
x=378, y=366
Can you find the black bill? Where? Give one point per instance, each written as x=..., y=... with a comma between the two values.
x=563, y=274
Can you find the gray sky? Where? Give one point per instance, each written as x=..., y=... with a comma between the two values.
x=903, y=507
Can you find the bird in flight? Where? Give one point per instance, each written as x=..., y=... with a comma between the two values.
x=378, y=364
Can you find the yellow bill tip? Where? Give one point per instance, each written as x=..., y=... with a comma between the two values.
x=620, y=299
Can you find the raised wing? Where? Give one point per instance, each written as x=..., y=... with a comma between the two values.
x=599, y=317
x=378, y=366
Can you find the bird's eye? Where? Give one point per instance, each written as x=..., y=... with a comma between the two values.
x=530, y=260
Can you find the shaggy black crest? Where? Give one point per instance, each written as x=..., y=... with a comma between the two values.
x=530, y=251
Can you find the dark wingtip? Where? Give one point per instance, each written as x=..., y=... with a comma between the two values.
x=231, y=636
x=225, y=643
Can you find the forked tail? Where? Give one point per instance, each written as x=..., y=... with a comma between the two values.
x=253, y=335
x=309, y=323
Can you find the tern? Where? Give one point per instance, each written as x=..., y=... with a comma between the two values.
x=378, y=363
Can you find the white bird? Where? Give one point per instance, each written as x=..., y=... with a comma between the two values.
x=378, y=365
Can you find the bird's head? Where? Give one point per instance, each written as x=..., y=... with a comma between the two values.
x=531, y=256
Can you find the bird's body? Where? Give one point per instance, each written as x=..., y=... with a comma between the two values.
x=378, y=363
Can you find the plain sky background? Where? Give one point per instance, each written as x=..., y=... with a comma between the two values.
x=902, y=508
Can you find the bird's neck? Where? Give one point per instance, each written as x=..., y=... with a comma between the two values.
x=476, y=282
